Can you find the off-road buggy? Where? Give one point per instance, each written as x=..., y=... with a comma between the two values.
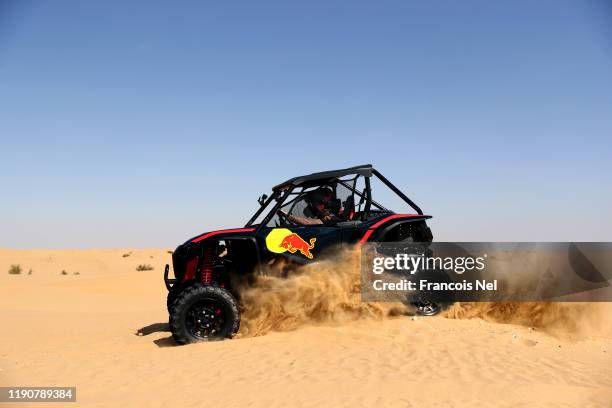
x=203, y=299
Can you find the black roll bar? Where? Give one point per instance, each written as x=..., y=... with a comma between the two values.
x=397, y=191
x=261, y=208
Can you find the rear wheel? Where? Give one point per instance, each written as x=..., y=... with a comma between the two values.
x=204, y=313
x=428, y=308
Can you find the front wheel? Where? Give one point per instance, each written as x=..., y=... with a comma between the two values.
x=202, y=313
x=170, y=301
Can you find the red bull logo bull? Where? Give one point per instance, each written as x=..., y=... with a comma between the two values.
x=281, y=240
x=294, y=243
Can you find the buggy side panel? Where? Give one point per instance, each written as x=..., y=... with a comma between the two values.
x=399, y=227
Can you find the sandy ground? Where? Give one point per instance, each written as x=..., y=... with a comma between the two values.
x=81, y=330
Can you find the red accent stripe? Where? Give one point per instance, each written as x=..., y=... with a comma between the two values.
x=371, y=230
x=210, y=234
x=366, y=236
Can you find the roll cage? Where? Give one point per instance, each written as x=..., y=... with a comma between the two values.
x=291, y=191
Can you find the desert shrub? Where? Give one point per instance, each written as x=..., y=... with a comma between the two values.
x=144, y=267
x=126, y=255
x=15, y=270
x=64, y=272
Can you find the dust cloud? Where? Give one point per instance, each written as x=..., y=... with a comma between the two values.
x=325, y=292
x=328, y=292
x=572, y=319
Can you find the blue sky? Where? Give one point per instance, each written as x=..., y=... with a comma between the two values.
x=141, y=124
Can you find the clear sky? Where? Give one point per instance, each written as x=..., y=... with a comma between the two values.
x=143, y=123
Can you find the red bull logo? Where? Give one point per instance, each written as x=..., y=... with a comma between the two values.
x=294, y=243
x=281, y=240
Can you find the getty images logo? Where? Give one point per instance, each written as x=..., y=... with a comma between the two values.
x=414, y=263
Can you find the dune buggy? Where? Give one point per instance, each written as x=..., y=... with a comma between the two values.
x=289, y=226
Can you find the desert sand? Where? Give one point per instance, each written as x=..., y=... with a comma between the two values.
x=104, y=331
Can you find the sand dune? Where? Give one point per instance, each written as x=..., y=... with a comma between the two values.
x=81, y=329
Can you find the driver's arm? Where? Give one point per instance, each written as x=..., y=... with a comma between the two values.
x=300, y=220
x=304, y=220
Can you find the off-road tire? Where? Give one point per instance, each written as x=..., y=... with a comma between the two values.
x=170, y=300
x=431, y=303
x=192, y=296
x=430, y=308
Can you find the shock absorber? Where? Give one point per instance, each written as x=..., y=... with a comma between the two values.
x=207, y=265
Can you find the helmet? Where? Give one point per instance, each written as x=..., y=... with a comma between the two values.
x=320, y=197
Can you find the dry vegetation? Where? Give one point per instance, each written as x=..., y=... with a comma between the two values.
x=15, y=270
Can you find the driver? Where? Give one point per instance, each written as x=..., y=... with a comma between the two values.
x=320, y=206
